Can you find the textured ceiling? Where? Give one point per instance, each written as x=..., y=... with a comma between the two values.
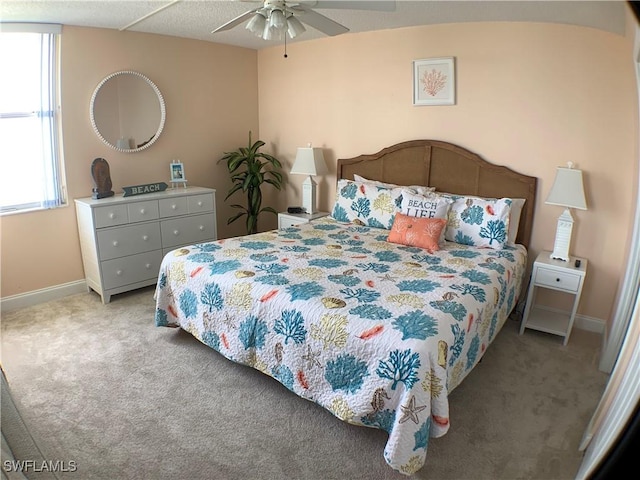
x=197, y=18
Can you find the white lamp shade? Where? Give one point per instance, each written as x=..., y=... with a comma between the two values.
x=294, y=27
x=567, y=189
x=256, y=24
x=309, y=161
x=277, y=20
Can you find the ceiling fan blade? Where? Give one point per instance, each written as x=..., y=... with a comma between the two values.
x=319, y=21
x=378, y=5
x=236, y=21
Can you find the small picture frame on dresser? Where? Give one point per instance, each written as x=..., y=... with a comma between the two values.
x=177, y=173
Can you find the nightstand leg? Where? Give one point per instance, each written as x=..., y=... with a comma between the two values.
x=574, y=311
x=527, y=308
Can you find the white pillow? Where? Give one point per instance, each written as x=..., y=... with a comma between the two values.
x=422, y=190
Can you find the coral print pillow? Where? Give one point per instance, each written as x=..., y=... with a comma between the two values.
x=426, y=206
x=417, y=232
x=479, y=222
x=366, y=204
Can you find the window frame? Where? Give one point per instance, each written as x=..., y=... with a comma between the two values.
x=57, y=180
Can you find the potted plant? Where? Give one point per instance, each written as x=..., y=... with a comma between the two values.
x=249, y=169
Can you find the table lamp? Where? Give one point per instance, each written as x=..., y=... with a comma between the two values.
x=567, y=191
x=309, y=161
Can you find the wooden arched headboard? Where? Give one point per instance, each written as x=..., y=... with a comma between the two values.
x=449, y=168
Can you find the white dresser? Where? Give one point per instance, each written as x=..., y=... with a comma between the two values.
x=124, y=239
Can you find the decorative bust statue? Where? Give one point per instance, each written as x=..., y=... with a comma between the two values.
x=101, y=179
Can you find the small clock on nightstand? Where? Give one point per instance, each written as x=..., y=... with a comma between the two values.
x=567, y=277
x=286, y=220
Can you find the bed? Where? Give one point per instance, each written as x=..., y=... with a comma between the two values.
x=378, y=333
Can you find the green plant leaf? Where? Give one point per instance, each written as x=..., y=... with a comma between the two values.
x=252, y=224
x=274, y=183
x=247, y=181
x=233, y=190
x=235, y=217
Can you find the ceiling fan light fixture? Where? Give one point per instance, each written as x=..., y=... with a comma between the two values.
x=257, y=24
x=271, y=33
x=266, y=34
x=277, y=20
x=294, y=27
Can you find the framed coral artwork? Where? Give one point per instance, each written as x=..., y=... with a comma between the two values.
x=434, y=81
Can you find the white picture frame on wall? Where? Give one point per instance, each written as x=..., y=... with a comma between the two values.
x=434, y=81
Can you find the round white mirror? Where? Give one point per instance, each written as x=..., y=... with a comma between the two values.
x=127, y=111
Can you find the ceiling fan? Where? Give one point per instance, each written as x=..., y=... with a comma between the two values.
x=275, y=18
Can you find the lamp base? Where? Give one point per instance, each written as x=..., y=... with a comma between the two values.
x=309, y=195
x=563, y=237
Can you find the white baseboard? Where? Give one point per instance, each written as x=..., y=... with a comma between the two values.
x=35, y=297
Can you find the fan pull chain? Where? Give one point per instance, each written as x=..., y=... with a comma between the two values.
x=285, y=44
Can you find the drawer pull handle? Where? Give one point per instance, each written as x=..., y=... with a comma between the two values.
x=112, y=215
x=145, y=237
x=115, y=243
x=148, y=266
x=142, y=212
x=119, y=273
x=176, y=232
x=199, y=204
x=557, y=279
x=174, y=206
x=201, y=227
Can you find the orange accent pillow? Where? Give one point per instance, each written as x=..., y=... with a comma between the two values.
x=417, y=232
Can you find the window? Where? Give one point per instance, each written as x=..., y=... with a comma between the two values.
x=32, y=175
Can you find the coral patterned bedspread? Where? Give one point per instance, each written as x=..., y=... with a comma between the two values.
x=377, y=333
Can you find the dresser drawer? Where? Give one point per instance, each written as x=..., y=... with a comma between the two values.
x=127, y=270
x=111, y=215
x=172, y=207
x=200, y=203
x=141, y=211
x=187, y=230
x=129, y=240
x=560, y=280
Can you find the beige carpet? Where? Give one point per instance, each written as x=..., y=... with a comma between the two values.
x=102, y=386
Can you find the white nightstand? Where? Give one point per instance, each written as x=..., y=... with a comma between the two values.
x=555, y=275
x=286, y=220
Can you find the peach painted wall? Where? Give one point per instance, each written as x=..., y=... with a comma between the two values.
x=211, y=96
x=529, y=96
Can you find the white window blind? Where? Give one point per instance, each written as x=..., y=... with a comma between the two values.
x=30, y=151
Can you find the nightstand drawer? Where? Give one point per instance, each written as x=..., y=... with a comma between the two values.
x=554, y=279
x=288, y=222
